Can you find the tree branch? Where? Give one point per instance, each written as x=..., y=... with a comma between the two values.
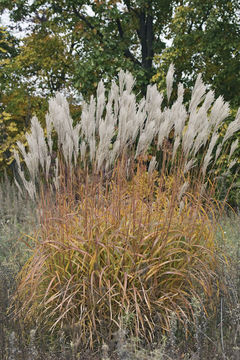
x=130, y=9
x=129, y=55
x=204, y=19
x=127, y=3
x=120, y=29
x=127, y=52
x=190, y=27
x=85, y=20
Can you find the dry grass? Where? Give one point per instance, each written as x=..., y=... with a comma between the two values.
x=126, y=254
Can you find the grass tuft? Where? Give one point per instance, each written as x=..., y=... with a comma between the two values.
x=119, y=252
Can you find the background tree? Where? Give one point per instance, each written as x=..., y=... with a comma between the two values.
x=9, y=131
x=93, y=39
x=70, y=45
x=105, y=35
x=205, y=39
x=36, y=67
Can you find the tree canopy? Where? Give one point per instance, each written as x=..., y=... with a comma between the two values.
x=205, y=39
x=81, y=42
x=70, y=45
x=103, y=36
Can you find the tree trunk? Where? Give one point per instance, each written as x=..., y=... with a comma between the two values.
x=146, y=37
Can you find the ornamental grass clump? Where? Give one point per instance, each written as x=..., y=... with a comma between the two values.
x=119, y=253
x=127, y=235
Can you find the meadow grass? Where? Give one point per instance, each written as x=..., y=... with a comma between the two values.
x=18, y=217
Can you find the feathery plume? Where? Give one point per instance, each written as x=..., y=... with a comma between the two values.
x=233, y=127
x=208, y=155
x=180, y=93
x=36, y=142
x=18, y=186
x=88, y=119
x=126, y=82
x=179, y=115
x=114, y=99
x=220, y=111
x=209, y=99
x=115, y=151
x=146, y=138
x=60, y=114
x=100, y=102
x=56, y=175
x=152, y=165
x=139, y=119
x=183, y=190
x=153, y=104
x=188, y=138
x=175, y=146
x=234, y=146
x=165, y=127
x=49, y=126
x=218, y=151
x=189, y=165
x=67, y=148
x=169, y=81
x=197, y=94
x=92, y=146
x=106, y=131
x=83, y=150
x=232, y=163
x=75, y=139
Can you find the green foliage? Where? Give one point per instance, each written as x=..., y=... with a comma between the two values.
x=44, y=58
x=8, y=127
x=17, y=109
x=204, y=38
x=7, y=45
x=41, y=58
x=8, y=50
x=94, y=40
x=102, y=36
